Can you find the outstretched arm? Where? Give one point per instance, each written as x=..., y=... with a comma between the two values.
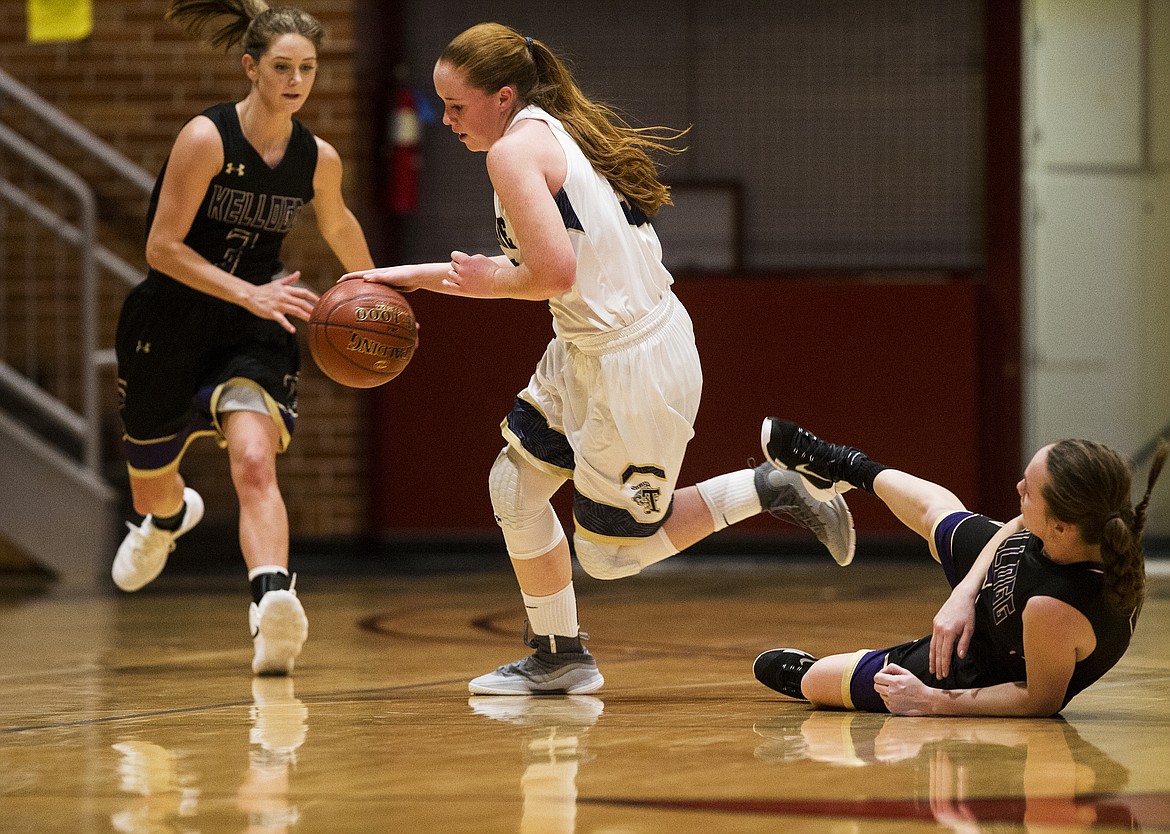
x=521, y=166
x=432, y=276
x=526, y=166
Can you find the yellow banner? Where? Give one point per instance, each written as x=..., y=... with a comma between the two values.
x=59, y=20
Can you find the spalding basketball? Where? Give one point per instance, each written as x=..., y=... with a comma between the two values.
x=362, y=334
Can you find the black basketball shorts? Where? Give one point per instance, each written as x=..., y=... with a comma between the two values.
x=176, y=348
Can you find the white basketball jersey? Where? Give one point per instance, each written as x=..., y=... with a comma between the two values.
x=620, y=276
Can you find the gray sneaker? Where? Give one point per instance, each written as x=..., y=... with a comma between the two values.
x=783, y=494
x=559, y=666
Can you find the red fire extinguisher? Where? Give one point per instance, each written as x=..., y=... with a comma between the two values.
x=402, y=173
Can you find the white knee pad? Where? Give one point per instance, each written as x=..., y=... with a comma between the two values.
x=520, y=496
x=614, y=561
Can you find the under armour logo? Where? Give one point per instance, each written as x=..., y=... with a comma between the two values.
x=142, y=347
x=236, y=168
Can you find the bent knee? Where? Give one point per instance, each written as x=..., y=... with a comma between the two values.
x=253, y=466
x=518, y=490
x=520, y=496
x=603, y=560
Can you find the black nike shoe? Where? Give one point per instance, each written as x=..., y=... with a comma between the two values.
x=824, y=466
x=783, y=670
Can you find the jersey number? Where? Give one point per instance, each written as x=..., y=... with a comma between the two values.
x=243, y=240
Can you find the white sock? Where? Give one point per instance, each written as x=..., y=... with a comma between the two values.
x=554, y=614
x=731, y=498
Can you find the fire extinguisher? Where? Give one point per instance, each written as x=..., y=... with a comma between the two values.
x=402, y=172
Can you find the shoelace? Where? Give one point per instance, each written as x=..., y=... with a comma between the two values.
x=798, y=514
x=835, y=458
x=145, y=538
x=803, y=442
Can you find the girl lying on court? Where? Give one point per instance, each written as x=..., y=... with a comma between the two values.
x=1041, y=606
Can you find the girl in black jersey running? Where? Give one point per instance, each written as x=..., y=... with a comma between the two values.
x=206, y=344
x=1041, y=606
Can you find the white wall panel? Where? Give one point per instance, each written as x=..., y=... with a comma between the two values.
x=1090, y=82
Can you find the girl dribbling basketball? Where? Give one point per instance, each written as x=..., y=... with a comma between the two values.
x=205, y=344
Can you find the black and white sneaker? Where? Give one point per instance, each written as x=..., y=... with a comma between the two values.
x=822, y=465
x=783, y=670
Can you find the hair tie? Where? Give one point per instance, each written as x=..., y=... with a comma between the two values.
x=529, y=42
x=1112, y=516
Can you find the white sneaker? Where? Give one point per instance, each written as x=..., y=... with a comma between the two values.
x=144, y=551
x=279, y=630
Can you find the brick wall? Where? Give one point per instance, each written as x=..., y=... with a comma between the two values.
x=134, y=83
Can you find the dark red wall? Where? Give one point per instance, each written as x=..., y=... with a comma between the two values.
x=889, y=365
x=921, y=371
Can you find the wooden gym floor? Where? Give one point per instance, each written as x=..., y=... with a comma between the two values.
x=138, y=713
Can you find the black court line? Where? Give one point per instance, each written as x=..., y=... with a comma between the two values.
x=133, y=716
x=486, y=624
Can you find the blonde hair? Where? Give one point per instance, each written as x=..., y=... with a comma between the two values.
x=251, y=23
x=493, y=56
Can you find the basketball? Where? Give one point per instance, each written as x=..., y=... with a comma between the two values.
x=362, y=334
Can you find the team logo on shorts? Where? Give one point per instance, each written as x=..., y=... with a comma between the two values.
x=290, y=389
x=644, y=492
x=646, y=497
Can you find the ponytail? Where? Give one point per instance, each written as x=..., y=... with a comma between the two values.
x=249, y=22
x=493, y=56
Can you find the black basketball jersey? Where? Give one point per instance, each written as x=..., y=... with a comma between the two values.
x=249, y=207
x=1020, y=571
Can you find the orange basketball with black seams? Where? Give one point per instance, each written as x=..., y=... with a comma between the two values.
x=362, y=334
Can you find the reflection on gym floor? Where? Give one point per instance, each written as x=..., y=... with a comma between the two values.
x=144, y=718
x=1035, y=772
x=163, y=793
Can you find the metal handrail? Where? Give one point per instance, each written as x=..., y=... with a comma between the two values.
x=83, y=236
x=102, y=151
x=127, y=273
x=87, y=232
x=62, y=416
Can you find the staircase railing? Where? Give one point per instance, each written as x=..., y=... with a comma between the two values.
x=81, y=238
x=69, y=128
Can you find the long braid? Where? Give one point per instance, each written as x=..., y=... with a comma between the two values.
x=1140, y=511
x=1090, y=486
x=1126, y=575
